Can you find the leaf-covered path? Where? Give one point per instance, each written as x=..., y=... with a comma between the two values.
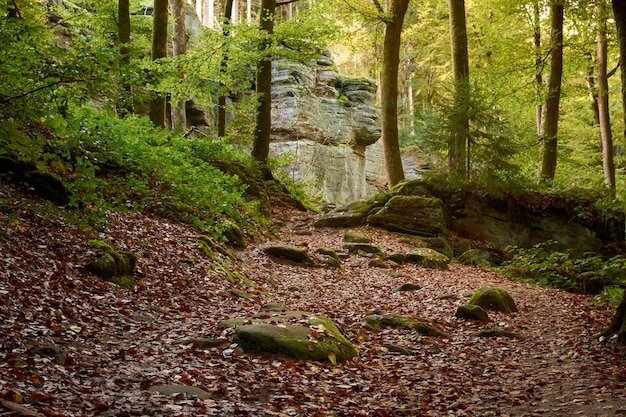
x=107, y=346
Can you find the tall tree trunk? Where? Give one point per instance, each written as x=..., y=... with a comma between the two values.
x=548, y=167
x=619, y=11
x=459, y=146
x=538, y=66
x=159, y=50
x=593, y=90
x=249, y=11
x=389, y=90
x=608, y=164
x=261, y=146
x=123, y=12
x=221, y=99
x=179, y=42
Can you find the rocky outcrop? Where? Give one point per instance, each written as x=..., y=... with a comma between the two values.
x=327, y=124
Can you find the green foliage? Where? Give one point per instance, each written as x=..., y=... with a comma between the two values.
x=543, y=266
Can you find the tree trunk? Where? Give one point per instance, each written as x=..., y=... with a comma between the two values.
x=389, y=90
x=548, y=167
x=123, y=12
x=618, y=324
x=538, y=67
x=459, y=143
x=159, y=50
x=261, y=146
x=179, y=114
x=221, y=99
x=619, y=11
x=593, y=90
x=606, y=136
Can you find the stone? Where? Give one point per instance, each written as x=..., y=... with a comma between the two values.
x=377, y=263
x=188, y=391
x=294, y=254
x=408, y=287
x=272, y=331
x=428, y=258
x=113, y=266
x=361, y=247
x=497, y=299
x=354, y=237
x=350, y=215
x=47, y=186
x=414, y=215
x=481, y=257
x=380, y=320
x=472, y=312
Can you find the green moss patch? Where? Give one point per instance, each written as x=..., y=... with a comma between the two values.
x=497, y=299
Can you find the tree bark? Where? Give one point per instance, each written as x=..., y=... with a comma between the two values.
x=608, y=164
x=389, y=90
x=179, y=43
x=548, y=167
x=619, y=11
x=159, y=50
x=261, y=145
x=221, y=99
x=123, y=13
x=459, y=146
x=538, y=67
x=618, y=324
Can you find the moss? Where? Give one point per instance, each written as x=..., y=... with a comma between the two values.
x=381, y=320
x=428, y=258
x=124, y=281
x=354, y=237
x=113, y=266
x=494, y=299
x=99, y=245
x=240, y=293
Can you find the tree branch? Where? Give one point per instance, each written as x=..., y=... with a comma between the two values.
x=15, y=11
x=613, y=71
x=282, y=3
x=379, y=7
x=6, y=100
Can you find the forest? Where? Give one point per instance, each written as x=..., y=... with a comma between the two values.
x=164, y=254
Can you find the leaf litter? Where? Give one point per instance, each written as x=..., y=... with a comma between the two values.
x=110, y=345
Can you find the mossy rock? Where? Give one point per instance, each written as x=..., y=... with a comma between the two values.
x=428, y=258
x=439, y=244
x=380, y=320
x=378, y=263
x=293, y=254
x=113, y=266
x=272, y=331
x=398, y=258
x=354, y=237
x=354, y=214
x=481, y=257
x=362, y=247
x=47, y=186
x=329, y=257
x=232, y=234
x=414, y=215
x=412, y=187
x=497, y=299
x=408, y=287
x=472, y=312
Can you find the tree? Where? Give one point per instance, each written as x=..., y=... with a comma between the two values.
x=619, y=11
x=604, y=117
x=261, y=145
x=221, y=100
x=179, y=47
x=159, y=50
x=548, y=168
x=459, y=143
x=123, y=12
x=393, y=20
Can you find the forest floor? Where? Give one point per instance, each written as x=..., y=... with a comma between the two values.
x=112, y=344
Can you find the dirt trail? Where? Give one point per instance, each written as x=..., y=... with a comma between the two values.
x=117, y=343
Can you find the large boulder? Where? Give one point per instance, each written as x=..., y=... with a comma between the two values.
x=415, y=215
x=278, y=330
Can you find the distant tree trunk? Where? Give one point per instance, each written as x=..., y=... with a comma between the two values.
x=619, y=11
x=389, y=89
x=159, y=50
x=459, y=146
x=179, y=42
x=593, y=90
x=221, y=99
x=123, y=12
x=538, y=66
x=261, y=145
x=608, y=164
x=548, y=167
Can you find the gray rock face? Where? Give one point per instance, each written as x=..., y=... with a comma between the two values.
x=314, y=107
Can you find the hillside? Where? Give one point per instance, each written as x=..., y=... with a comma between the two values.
x=73, y=345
